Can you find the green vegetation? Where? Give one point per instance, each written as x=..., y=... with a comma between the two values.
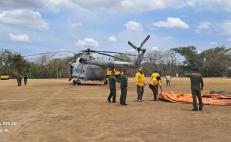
x=44, y=67
x=213, y=62
x=12, y=63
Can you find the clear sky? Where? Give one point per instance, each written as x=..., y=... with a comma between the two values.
x=32, y=26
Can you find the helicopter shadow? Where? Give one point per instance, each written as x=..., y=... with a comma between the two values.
x=90, y=84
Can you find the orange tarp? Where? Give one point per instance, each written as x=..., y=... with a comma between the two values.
x=208, y=99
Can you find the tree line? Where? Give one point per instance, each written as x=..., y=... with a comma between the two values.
x=213, y=62
x=45, y=66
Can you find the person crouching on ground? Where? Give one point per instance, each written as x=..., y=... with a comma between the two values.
x=155, y=83
x=140, y=83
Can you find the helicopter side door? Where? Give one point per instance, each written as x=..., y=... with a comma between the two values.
x=93, y=72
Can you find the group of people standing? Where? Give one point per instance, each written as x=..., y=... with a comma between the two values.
x=123, y=80
x=20, y=78
x=154, y=84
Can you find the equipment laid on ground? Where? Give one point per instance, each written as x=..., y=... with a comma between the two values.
x=208, y=99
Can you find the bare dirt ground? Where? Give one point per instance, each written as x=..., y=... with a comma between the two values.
x=55, y=111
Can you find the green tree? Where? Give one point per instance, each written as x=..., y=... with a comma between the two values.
x=211, y=62
x=215, y=62
x=191, y=55
x=18, y=63
x=5, y=61
x=12, y=63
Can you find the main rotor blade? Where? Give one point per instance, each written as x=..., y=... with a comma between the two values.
x=44, y=53
x=132, y=45
x=145, y=40
x=117, y=53
x=111, y=56
x=96, y=51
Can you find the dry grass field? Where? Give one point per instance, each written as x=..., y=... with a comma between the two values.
x=55, y=111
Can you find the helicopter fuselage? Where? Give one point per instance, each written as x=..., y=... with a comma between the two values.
x=87, y=67
x=88, y=72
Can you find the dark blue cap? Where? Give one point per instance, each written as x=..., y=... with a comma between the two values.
x=155, y=69
x=194, y=68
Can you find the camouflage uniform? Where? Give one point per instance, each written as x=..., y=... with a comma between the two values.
x=196, y=87
x=25, y=79
x=123, y=87
x=112, y=87
x=19, y=80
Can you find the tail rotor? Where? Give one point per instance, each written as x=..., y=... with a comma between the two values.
x=141, y=45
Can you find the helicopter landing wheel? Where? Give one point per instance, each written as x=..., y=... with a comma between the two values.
x=78, y=82
x=74, y=82
x=105, y=82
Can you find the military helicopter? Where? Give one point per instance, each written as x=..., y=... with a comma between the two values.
x=88, y=67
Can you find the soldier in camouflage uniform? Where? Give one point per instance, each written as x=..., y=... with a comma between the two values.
x=196, y=87
x=112, y=87
x=123, y=87
x=19, y=79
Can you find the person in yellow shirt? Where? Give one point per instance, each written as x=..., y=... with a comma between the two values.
x=140, y=83
x=155, y=83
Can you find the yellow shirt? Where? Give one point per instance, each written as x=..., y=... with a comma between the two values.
x=140, y=79
x=153, y=80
